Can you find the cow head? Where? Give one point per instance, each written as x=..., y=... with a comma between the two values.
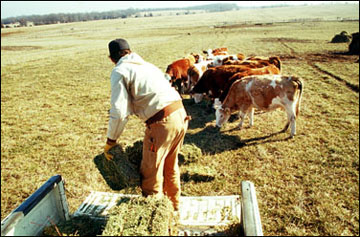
x=222, y=116
x=168, y=77
x=198, y=97
x=276, y=61
x=198, y=58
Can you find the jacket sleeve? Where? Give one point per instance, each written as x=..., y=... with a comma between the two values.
x=120, y=106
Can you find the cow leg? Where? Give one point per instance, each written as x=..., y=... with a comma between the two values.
x=242, y=117
x=290, y=111
x=293, y=125
x=251, y=116
x=286, y=127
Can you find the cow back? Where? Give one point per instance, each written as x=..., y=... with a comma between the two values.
x=214, y=79
x=271, y=69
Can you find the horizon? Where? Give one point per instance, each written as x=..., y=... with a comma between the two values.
x=27, y=8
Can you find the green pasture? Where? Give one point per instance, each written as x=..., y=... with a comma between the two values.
x=55, y=97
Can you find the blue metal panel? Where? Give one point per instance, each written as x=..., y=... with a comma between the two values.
x=37, y=196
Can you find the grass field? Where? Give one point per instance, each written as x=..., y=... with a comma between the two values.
x=55, y=97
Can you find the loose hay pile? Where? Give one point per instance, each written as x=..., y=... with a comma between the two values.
x=140, y=216
x=123, y=170
x=189, y=153
x=135, y=216
x=76, y=226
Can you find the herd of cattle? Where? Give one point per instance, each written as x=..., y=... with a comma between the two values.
x=236, y=83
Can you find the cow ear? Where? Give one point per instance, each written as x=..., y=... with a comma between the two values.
x=227, y=110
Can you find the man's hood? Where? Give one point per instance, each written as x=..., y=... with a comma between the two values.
x=132, y=58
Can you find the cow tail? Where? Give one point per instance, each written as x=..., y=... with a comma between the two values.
x=300, y=87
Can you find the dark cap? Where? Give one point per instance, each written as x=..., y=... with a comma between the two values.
x=118, y=44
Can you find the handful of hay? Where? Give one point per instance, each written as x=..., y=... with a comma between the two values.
x=123, y=170
x=141, y=216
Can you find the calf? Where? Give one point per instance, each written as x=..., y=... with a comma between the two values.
x=264, y=92
x=195, y=72
x=177, y=71
x=223, y=59
x=271, y=69
x=215, y=80
x=214, y=52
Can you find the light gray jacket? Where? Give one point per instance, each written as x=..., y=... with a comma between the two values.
x=137, y=87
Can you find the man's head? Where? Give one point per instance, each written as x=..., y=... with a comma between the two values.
x=118, y=48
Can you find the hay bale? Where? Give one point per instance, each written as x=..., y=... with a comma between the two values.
x=354, y=45
x=343, y=37
x=124, y=169
x=140, y=216
x=189, y=153
x=76, y=226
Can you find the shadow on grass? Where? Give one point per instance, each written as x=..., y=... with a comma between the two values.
x=197, y=178
x=211, y=140
x=264, y=139
x=201, y=113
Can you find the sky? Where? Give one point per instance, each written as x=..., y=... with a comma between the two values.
x=26, y=8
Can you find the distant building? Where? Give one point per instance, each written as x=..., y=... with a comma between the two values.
x=12, y=25
x=29, y=24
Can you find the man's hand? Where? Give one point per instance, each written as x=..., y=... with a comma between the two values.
x=109, y=144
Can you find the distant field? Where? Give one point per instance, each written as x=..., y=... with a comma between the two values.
x=55, y=96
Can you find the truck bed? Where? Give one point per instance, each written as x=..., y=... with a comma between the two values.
x=198, y=215
x=202, y=215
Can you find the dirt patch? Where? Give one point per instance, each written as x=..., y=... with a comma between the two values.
x=342, y=57
x=287, y=40
x=331, y=57
x=20, y=48
x=3, y=34
x=243, y=25
x=288, y=57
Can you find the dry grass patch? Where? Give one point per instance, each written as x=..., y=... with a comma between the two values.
x=54, y=113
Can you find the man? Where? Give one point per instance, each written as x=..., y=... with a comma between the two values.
x=140, y=88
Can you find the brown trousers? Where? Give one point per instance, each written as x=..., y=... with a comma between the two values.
x=159, y=166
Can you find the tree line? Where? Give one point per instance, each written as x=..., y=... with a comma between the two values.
x=131, y=12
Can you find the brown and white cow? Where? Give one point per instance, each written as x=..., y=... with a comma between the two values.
x=224, y=59
x=271, y=69
x=266, y=93
x=256, y=61
x=215, y=80
x=215, y=52
x=195, y=72
x=177, y=72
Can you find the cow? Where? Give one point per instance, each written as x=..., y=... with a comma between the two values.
x=271, y=69
x=195, y=72
x=198, y=58
x=266, y=93
x=222, y=59
x=177, y=71
x=214, y=52
x=214, y=80
x=256, y=61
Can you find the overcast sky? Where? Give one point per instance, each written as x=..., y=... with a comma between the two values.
x=26, y=8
